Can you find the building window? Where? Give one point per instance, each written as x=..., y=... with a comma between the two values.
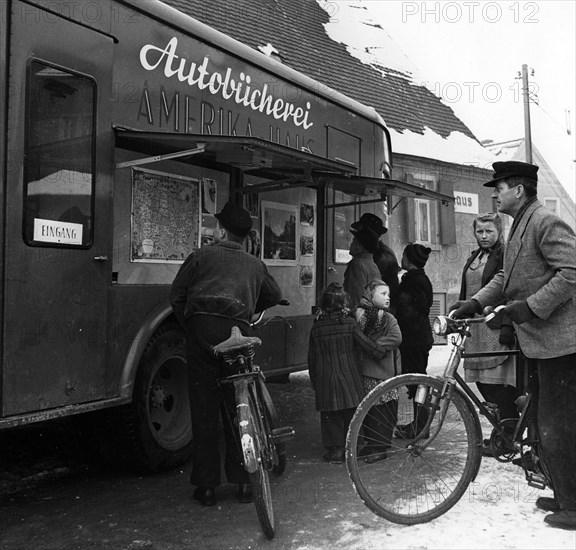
x=426, y=216
x=422, y=220
x=552, y=205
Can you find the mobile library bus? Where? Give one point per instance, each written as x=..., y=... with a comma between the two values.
x=124, y=126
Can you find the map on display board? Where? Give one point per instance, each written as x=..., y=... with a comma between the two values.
x=165, y=216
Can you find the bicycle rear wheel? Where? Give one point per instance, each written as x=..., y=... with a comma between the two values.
x=410, y=481
x=272, y=422
x=259, y=479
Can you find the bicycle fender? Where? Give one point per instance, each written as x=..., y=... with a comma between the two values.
x=249, y=452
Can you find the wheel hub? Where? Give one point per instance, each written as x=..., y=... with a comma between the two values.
x=157, y=397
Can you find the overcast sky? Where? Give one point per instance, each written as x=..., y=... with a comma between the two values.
x=470, y=54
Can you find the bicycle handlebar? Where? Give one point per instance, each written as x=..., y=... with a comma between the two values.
x=446, y=324
x=258, y=319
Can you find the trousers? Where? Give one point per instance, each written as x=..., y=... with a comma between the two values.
x=334, y=427
x=557, y=424
x=208, y=400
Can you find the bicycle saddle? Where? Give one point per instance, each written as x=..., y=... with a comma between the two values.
x=236, y=341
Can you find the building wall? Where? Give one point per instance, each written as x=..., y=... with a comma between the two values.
x=451, y=235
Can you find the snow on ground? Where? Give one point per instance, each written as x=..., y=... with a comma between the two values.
x=498, y=511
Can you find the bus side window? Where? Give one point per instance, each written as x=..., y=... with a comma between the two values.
x=59, y=161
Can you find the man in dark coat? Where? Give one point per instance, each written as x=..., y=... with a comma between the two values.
x=383, y=256
x=538, y=283
x=218, y=287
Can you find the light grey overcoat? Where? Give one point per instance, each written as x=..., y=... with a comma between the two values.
x=540, y=267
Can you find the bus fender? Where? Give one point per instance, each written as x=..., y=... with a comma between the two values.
x=160, y=314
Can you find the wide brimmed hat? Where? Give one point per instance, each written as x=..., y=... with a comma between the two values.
x=371, y=221
x=367, y=238
x=235, y=219
x=512, y=168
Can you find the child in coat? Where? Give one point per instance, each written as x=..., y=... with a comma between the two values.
x=334, y=370
x=379, y=361
x=415, y=298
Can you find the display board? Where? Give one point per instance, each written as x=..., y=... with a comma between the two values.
x=165, y=221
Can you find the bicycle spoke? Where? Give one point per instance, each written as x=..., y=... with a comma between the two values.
x=419, y=478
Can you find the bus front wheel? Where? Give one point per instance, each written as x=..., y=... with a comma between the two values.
x=157, y=423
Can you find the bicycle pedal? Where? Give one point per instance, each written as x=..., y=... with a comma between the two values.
x=281, y=435
x=537, y=481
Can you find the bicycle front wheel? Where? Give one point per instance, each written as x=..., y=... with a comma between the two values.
x=404, y=468
x=260, y=480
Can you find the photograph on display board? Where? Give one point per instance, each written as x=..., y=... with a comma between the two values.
x=279, y=239
x=306, y=275
x=307, y=245
x=165, y=218
x=253, y=242
x=208, y=230
x=208, y=196
x=306, y=214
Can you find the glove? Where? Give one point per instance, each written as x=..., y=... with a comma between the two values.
x=519, y=311
x=465, y=309
x=506, y=337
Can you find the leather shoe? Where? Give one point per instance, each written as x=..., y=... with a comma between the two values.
x=547, y=504
x=205, y=495
x=565, y=519
x=245, y=493
x=335, y=455
x=338, y=456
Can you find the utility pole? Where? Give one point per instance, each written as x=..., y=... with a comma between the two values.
x=527, y=130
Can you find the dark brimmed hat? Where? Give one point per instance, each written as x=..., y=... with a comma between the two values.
x=512, y=168
x=417, y=254
x=371, y=221
x=235, y=219
x=367, y=238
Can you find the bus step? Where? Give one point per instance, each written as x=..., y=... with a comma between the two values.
x=281, y=435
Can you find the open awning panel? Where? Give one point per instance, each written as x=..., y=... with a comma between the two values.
x=249, y=154
x=282, y=166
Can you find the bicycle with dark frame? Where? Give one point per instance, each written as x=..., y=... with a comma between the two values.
x=422, y=478
x=261, y=441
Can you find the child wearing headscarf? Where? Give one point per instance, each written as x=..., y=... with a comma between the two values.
x=379, y=361
x=334, y=370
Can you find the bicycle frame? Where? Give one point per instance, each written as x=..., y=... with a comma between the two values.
x=513, y=441
x=242, y=382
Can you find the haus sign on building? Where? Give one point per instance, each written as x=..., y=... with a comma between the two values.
x=466, y=203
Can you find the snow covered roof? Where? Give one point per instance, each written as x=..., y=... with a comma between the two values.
x=353, y=54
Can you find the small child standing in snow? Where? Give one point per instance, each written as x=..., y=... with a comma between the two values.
x=379, y=361
x=334, y=370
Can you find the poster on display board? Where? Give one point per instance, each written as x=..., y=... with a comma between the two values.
x=279, y=233
x=165, y=221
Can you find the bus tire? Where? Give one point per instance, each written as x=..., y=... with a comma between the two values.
x=157, y=424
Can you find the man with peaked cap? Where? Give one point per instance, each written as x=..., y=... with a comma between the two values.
x=538, y=282
x=218, y=287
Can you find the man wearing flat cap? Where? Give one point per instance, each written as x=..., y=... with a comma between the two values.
x=538, y=282
x=218, y=287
